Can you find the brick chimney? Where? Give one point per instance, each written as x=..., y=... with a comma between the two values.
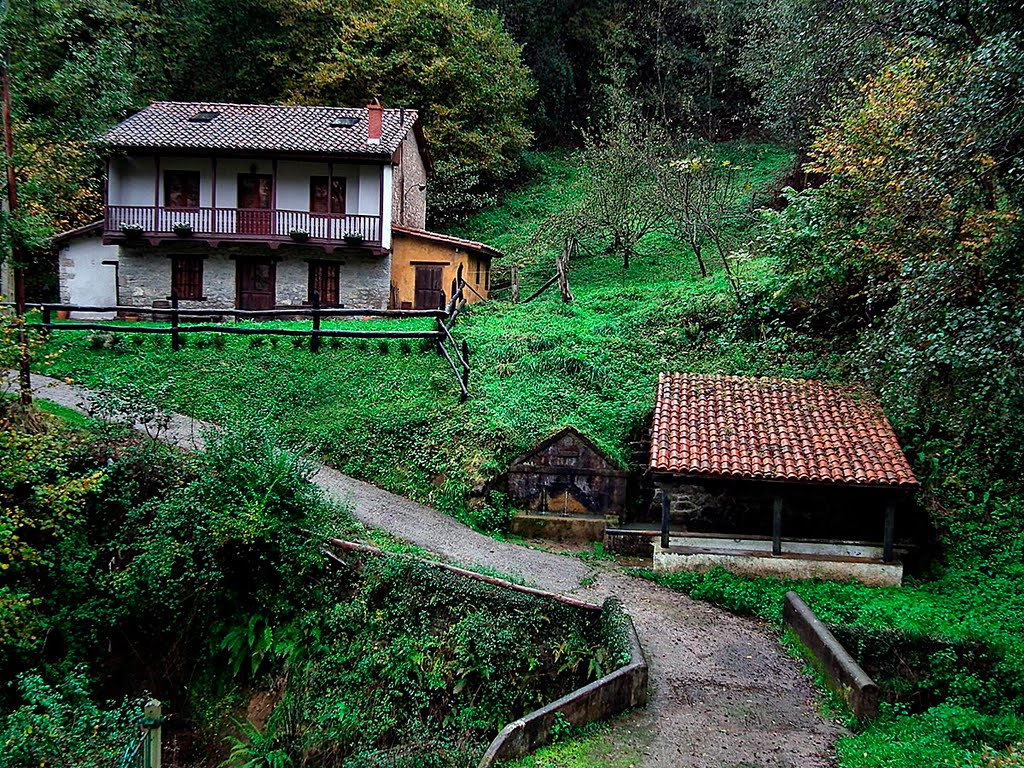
x=375, y=122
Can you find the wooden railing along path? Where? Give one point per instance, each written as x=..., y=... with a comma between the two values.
x=456, y=354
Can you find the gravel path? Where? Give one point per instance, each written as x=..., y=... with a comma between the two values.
x=724, y=693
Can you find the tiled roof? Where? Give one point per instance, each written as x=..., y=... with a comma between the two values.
x=773, y=429
x=437, y=237
x=258, y=128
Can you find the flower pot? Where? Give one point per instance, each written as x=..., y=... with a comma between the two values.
x=63, y=314
x=299, y=237
x=353, y=239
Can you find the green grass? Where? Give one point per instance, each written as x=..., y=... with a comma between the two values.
x=592, y=746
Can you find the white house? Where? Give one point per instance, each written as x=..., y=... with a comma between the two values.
x=252, y=207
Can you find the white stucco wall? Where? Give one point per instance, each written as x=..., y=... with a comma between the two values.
x=132, y=181
x=84, y=277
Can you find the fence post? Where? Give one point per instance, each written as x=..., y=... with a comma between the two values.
x=314, y=339
x=46, y=321
x=152, y=720
x=440, y=334
x=465, y=370
x=175, y=338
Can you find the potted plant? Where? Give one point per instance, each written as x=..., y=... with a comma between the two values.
x=182, y=229
x=131, y=230
x=353, y=238
x=299, y=235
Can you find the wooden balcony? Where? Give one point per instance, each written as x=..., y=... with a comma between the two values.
x=216, y=226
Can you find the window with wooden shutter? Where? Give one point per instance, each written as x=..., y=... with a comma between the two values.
x=187, y=277
x=323, y=279
x=181, y=189
x=319, y=201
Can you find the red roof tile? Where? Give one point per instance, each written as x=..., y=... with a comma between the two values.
x=437, y=237
x=773, y=429
x=171, y=125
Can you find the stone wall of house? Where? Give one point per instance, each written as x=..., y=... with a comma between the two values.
x=809, y=511
x=705, y=509
x=86, y=272
x=410, y=174
x=144, y=276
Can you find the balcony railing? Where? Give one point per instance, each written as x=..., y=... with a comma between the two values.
x=243, y=223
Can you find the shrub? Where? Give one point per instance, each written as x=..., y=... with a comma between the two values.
x=382, y=346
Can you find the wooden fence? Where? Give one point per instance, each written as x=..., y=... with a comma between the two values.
x=456, y=354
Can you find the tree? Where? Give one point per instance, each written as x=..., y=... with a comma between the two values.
x=700, y=196
x=455, y=63
x=616, y=202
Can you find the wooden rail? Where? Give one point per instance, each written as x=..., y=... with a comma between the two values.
x=457, y=356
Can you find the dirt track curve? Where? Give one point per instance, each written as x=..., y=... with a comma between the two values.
x=723, y=692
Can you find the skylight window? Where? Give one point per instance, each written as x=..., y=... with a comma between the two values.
x=204, y=117
x=343, y=122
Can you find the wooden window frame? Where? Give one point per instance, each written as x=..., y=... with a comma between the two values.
x=171, y=173
x=342, y=186
x=192, y=290
x=316, y=281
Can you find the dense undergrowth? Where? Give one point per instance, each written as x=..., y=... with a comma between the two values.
x=130, y=570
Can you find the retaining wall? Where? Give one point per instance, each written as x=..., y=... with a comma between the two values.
x=842, y=673
x=616, y=692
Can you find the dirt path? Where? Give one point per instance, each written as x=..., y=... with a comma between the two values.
x=724, y=693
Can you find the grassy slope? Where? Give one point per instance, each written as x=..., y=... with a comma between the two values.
x=394, y=418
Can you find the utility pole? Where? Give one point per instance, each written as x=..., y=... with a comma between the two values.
x=24, y=374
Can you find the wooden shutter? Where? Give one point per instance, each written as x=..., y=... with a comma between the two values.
x=187, y=277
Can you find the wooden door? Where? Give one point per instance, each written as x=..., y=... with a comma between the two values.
x=257, y=282
x=255, y=200
x=429, y=294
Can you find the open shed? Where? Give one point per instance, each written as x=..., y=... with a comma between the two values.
x=786, y=477
x=567, y=487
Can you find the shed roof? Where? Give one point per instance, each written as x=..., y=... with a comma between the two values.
x=259, y=128
x=437, y=237
x=774, y=429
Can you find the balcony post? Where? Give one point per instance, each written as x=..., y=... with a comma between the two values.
x=273, y=196
x=213, y=197
x=156, y=196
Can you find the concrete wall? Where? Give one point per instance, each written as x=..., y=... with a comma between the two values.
x=623, y=689
x=145, y=276
x=829, y=657
x=84, y=277
x=408, y=249
x=408, y=202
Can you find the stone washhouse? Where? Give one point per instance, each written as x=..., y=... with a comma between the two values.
x=779, y=477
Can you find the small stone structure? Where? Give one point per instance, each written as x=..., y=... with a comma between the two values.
x=567, y=487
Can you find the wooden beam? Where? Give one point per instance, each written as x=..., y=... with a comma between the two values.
x=666, y=506
x=890, y=528
x=777, y=526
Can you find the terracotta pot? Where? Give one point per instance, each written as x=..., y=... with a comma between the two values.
x=63, y=314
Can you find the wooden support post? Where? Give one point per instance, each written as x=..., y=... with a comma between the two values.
x=777, y=526
x=46, y=321
x=666, y=506
x=514, y=286
x=465, y=370
x=152, y=722
x=175, y=338
x=314, y=339
x=890, y=528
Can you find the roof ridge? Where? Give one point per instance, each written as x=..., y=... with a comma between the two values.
x=265, y=106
